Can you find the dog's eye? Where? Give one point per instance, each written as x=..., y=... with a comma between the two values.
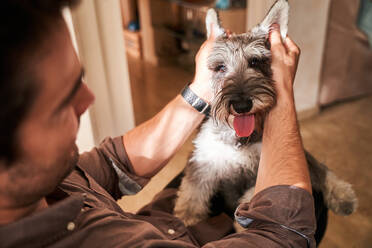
x=220, y=68
x=253, y=62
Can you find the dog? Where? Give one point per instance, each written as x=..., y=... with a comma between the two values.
x=228, y=146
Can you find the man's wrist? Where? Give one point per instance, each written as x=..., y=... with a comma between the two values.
x=285, y=95
x=202, y=90
x=286, y=101
x=195, y=101
x=284, y=108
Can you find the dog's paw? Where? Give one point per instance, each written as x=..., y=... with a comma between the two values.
x=238, y=228
x=341, y=198
x=248, y=195
x=190, y=221
x=189, y=211
x=187, y=216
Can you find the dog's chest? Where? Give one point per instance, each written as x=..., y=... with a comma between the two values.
x=217, y=148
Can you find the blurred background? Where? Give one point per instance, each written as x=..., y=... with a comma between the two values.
x=139, y=54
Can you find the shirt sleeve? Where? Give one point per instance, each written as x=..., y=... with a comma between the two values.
x=279, y=216
x=109, y=165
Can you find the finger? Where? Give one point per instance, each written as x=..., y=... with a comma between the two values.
x=292, y=47
x=275, y=39
x=228, y=32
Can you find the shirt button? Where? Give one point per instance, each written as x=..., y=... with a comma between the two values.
x=171, y=231
x=71, y=226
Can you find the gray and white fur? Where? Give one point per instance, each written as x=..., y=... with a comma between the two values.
x=225, y=163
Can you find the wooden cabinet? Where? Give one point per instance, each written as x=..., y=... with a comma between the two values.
x=173, y=30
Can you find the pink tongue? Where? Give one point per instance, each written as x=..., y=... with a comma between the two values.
x=244, y=125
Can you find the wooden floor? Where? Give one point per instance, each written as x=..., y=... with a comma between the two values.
x=340, y=136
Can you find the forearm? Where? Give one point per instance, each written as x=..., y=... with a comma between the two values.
x=283, y=159
x=153, y=143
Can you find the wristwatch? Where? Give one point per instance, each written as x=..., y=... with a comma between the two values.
x=199, y=104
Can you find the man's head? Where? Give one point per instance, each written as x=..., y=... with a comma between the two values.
x=42, y=96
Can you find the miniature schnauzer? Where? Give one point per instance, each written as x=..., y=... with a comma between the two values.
x=228, y=146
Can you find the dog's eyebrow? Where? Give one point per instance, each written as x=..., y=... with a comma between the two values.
x=73, y=91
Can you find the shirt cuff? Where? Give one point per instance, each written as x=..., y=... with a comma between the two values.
x=129, y=182
x=288, y=207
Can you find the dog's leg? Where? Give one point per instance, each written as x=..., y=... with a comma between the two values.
x=338, y=194
x=247, y=197
x=196, y=190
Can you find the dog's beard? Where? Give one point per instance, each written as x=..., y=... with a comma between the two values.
x=260, y=90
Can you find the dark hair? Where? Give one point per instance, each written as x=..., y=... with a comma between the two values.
x=24, y=27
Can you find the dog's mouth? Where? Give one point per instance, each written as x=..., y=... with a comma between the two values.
x=244, y=124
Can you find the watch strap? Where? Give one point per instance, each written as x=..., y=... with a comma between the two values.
x=195, y=101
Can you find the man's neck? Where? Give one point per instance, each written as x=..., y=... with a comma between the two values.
x=9, y=215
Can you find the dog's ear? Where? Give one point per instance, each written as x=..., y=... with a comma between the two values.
x=213, y=24
x=278, y=13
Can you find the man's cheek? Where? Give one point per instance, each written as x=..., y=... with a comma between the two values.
x=74, y=124
x=69, y=127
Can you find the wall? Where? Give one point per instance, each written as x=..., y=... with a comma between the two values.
x=85, y=139
x=98, y=29
x=307, y=27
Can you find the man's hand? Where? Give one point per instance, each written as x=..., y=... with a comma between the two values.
x=201, y=84
x=285, y=56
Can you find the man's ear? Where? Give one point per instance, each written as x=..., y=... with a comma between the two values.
x=213, y=24
x=278, y=13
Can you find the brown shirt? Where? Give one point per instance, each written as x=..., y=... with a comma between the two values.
x=85, y=213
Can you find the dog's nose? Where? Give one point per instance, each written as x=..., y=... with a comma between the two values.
x=242, y=106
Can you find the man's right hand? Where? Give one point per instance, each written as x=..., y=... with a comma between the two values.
x=285, y=56
x=201, y=84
